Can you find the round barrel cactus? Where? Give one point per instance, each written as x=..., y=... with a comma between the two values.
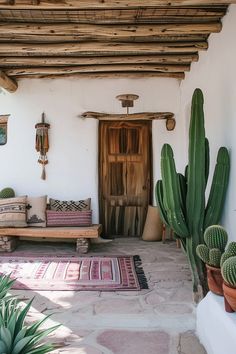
x=7, y=193
x=216, y=236
x=229, y=252
x=228, y=271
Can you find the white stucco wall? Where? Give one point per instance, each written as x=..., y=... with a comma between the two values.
x=72, y=172
x=215, y=74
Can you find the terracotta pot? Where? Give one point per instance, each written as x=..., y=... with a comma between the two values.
x=214, y=280
x=230, y=297
x=153, y=225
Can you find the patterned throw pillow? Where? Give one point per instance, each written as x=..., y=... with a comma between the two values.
x=69, y=205
x=69, y=218
x=36, y=211
x=13, y=212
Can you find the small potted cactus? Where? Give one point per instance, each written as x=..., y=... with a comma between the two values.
x=210, y=253
x=228, y=271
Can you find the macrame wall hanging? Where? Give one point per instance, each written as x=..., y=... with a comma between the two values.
x=42, y=143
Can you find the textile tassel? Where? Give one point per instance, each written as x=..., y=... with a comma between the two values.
x=43, y=175
x=140, y=272
x=42, y=143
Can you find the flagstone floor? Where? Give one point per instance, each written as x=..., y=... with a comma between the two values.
x=160, y=320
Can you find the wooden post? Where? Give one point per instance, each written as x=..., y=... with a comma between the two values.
x=7, y=83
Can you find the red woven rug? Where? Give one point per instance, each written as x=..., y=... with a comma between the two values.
x=74, y=273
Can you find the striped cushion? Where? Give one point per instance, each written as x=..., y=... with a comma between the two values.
x=13, y=212
x=69, y=218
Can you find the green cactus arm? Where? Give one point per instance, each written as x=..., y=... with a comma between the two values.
x=171, y=192
x=218, y=188
x=203, y=253
x=195, y=199
x=159, y=200
x=183, y=192
x=214, y=257
x=207, y=160
x=186, y=172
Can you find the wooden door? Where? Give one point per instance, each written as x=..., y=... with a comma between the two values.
x=124, y=176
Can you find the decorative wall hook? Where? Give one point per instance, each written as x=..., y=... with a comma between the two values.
x=42, y=143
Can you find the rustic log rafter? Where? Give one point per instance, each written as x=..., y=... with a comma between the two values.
x=166, y=59
x=107, y=32
x=7, y=83
x=167, y=116
x=100, y=48
x=159, y=68
x=96, y=4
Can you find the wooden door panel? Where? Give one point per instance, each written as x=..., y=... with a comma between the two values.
x=124, y=176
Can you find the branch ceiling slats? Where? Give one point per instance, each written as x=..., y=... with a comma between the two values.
x=104, y=38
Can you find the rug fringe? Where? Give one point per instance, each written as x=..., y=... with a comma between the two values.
x=140, y=272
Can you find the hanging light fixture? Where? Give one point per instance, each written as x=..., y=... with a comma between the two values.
x=127, y=100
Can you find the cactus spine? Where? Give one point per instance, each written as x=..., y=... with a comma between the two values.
x=185, y=211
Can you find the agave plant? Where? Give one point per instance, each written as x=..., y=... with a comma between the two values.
x=5, y=285
x=18, y=338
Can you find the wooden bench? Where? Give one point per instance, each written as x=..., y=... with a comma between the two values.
x=10, y=236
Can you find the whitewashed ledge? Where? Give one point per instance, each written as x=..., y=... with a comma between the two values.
x=216, y=328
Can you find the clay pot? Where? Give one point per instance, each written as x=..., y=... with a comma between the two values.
x=214, y=280
x=153, y=226
x=230, y=297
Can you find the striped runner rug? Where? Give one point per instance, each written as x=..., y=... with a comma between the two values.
x=74, y=273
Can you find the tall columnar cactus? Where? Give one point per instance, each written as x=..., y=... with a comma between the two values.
x=184, y=209
x=228, y=271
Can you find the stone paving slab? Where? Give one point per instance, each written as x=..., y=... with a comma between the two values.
x=158, y=320
x=133, y=342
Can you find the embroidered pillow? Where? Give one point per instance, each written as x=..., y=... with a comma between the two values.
x=13, y=212
x=69, y=205
x=69, y=218
x=36, y=211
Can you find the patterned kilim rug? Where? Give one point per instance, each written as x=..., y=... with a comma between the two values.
x=74, y=273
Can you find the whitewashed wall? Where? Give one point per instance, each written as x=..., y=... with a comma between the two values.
x=215, y=74
x=73, y=156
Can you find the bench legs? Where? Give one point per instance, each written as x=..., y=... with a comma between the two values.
x=82, y=245
x=8, y=243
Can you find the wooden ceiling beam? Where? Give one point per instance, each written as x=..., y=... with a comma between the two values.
x=118, y=16
x=60, y=61
x=105, y=32
x=110, y=75
x=99, y=48
x=97, y=69
x=105, y=4
x=7, y=83
x=69, y=39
